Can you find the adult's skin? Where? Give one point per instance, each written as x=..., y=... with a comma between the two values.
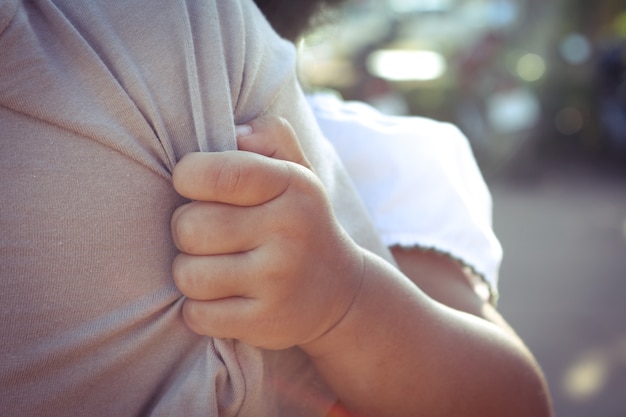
x=383, y=344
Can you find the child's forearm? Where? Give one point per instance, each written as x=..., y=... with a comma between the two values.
x=263, y=260
x=399, y=353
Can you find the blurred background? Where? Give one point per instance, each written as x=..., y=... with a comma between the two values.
x=539, y=88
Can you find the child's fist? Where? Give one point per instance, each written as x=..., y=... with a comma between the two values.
x=263, y=258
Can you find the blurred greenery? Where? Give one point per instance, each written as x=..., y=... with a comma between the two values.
x=524, y=79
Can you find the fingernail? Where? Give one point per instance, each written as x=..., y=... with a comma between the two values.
x=243, y=130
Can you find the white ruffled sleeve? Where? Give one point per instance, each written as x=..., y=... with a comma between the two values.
x=418, y=179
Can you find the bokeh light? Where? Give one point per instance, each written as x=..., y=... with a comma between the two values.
x=406, y=65
x=569, y=121
x=531, y=67
x=587, y=376
x=405, y=6
x=575, y=49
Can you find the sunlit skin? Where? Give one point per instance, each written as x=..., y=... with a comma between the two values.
x=264, y=260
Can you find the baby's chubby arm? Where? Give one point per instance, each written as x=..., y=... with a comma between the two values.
x=264, y=260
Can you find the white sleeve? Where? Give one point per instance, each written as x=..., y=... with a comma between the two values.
x=418, y=179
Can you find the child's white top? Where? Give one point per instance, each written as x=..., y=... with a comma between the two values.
x=418, y=179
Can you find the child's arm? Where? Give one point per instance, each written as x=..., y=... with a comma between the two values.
x=265, y=261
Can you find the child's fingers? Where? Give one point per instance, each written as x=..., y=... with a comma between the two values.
x=243, y=178
x=220, y=318
x=232, y=177
x=207, y=228
x=241, y=318
x=271, y=136
x=214, y=277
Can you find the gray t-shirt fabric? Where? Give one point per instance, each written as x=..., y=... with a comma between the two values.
x=98, y=101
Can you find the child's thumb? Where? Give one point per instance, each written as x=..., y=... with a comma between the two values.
x=271, y=136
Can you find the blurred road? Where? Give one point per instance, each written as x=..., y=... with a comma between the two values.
x=563, y=281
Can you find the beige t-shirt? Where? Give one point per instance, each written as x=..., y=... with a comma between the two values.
x=98, y=100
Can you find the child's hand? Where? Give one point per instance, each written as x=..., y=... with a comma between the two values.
x=263, y=258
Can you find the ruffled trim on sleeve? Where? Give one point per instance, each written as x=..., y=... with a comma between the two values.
x=485, y=290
